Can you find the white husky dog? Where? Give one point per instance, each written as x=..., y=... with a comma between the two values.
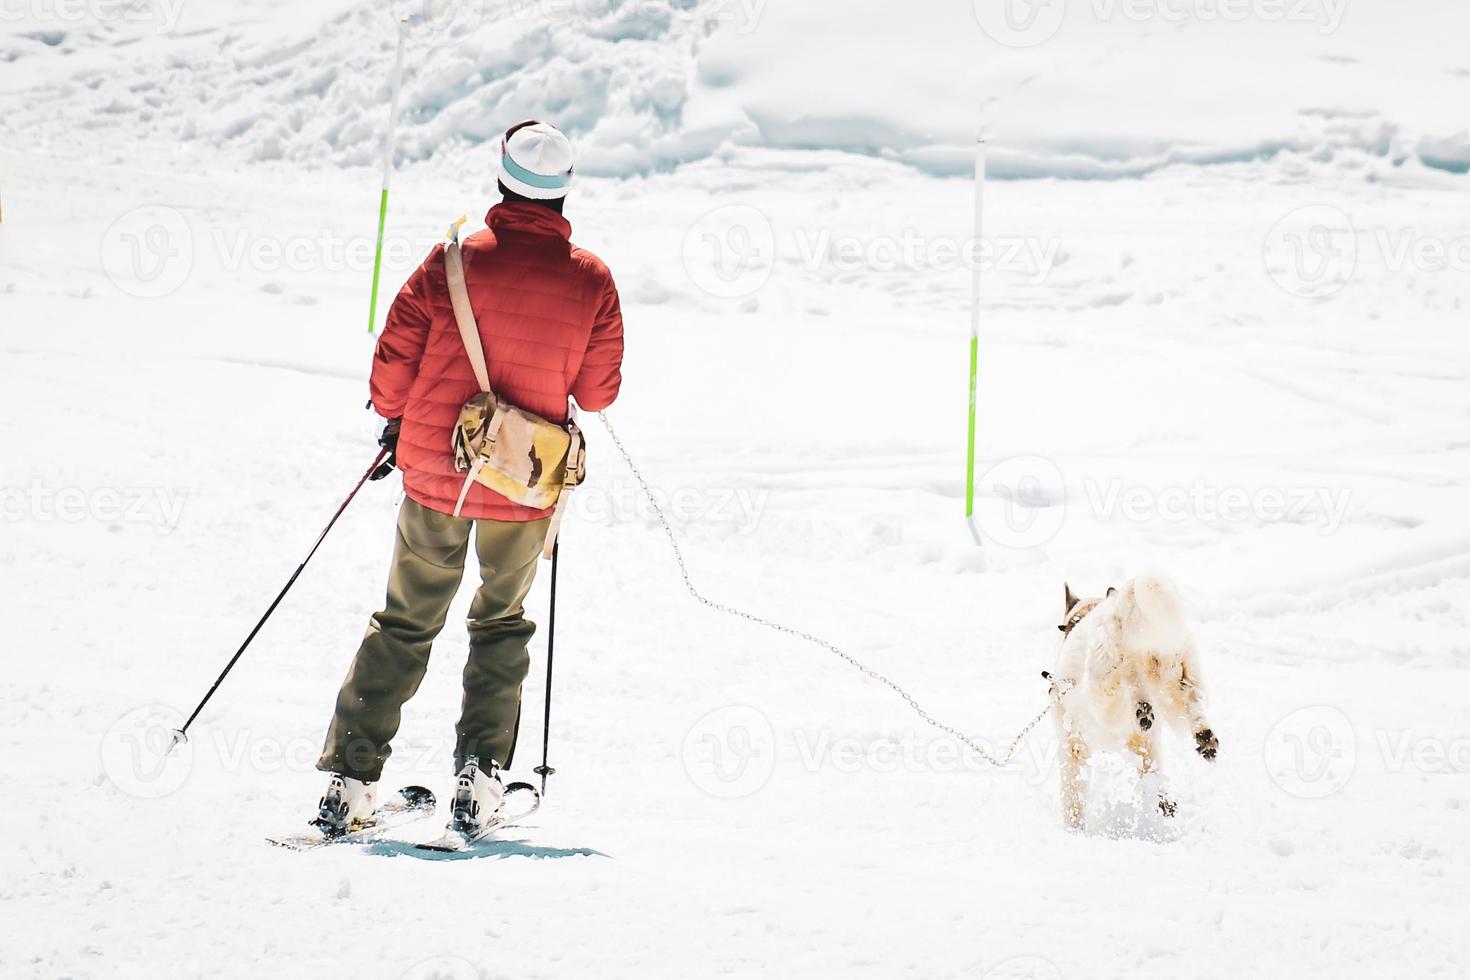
x=1126, y=660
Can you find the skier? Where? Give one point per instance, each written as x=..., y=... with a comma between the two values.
x=551, y=326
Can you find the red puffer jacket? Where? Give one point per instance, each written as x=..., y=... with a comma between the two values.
x=551, y=326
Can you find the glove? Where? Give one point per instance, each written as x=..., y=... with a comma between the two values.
x=388, y=439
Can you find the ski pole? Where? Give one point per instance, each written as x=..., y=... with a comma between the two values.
x=181, y=735
x=974, y=340
x=387, y=173
x=544, y=769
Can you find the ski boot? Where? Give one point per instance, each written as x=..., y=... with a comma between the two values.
x=478, y=797
x=348, y=804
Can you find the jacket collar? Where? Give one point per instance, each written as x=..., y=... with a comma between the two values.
x=531, y=219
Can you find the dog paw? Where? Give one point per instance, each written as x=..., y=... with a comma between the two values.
x=1167, y=806
x=1206, y=744
x=1145, y=715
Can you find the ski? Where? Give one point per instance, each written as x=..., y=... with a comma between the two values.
x=407, y=805
x=454, y=841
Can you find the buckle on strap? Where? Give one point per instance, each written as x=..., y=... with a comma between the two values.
x=497, y=419
x=576, y=457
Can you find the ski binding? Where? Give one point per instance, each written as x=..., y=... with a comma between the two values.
x=457, y=837
x=408, y=804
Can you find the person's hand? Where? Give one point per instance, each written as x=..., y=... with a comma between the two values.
x=388, y=439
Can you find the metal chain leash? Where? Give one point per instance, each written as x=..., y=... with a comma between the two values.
x=999, y=762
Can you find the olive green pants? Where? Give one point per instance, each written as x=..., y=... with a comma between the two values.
x=428, y=566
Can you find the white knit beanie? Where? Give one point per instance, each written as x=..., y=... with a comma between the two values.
x=536, y=161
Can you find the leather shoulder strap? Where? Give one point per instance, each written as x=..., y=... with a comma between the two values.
x=459, y=298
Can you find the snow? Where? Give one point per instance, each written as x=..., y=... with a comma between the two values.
x=1243, y=361
x=1089, y=90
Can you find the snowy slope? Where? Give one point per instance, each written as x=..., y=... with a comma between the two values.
x=1090, y=88
x=1201, y=369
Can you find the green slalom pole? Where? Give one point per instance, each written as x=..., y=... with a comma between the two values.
x=387, y=174
x=975, y=339
x=378, y=262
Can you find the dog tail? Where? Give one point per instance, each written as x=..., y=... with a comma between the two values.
x=1158, y=603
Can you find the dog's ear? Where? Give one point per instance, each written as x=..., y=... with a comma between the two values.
x=1111, y=590
x=1070, y=599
